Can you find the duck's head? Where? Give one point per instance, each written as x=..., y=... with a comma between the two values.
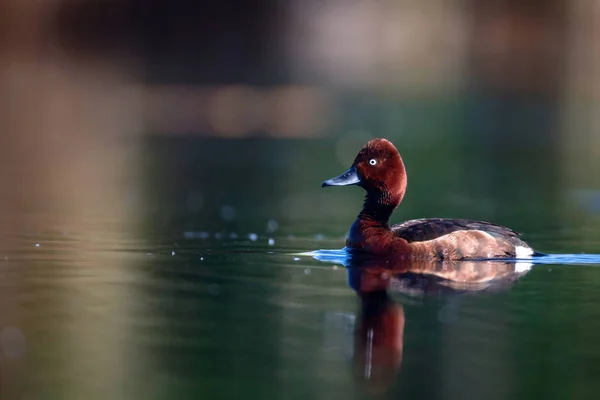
x=377, y=168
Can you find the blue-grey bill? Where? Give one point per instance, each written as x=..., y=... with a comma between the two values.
x=349, y=177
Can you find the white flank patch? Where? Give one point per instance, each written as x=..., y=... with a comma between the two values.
x=523, y=252
x=522, y=267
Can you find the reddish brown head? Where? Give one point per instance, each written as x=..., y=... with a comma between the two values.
x=378, y=168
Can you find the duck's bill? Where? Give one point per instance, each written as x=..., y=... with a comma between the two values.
x=349, y=177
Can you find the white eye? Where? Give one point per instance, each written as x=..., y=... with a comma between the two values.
x=372, y=161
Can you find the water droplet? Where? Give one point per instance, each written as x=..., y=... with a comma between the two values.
x=253, y=237
x=335, y=267
x=37, y=245
x=172, y=253
x=271, y=241
x=307, y=271
x=272, y=225
x=201, y=258
x=296, y=258
x=319, y=236
x=228, y=213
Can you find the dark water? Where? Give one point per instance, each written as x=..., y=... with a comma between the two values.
x=204, y=294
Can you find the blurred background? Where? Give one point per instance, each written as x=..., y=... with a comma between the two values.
x=125, y=123
x=91, y=89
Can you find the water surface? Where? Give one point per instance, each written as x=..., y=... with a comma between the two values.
x=202, y=293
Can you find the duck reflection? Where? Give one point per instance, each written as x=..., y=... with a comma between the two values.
x=379, y=331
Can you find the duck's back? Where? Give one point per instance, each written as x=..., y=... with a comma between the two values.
x=418, y=230
x=467, y=237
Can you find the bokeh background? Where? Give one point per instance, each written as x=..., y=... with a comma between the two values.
x=92, y=90
x=89, y=87
x=127, y=121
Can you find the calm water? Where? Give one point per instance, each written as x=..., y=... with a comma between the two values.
x=204, y=294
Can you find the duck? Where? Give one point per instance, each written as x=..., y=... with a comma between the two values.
x=379, y=169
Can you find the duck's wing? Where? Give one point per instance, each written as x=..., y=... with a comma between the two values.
x=418, y=230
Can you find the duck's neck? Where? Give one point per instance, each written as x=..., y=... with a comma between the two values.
x=378, y=208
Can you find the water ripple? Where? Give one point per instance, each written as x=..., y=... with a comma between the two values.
x=343, y=256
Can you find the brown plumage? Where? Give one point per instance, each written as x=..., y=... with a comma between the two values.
x=379, y=170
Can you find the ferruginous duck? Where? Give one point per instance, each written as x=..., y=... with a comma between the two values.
x=379, y=170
